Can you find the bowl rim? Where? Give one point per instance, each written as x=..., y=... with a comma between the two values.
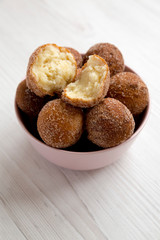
x=146, y=115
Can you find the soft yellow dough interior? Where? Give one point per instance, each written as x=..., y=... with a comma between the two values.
x=54, y=68
x=90, y=81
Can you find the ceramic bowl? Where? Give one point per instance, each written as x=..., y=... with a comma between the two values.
x=84, y=155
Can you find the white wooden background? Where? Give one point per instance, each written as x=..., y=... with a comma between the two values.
x=39, y=200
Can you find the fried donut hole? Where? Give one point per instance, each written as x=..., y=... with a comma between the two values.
x=27, y=101
x=50, y=69
x=110, y=53
x=129, y=89
x=77, y=56
x=109, y=123
x=91, y=84
x=60, y=125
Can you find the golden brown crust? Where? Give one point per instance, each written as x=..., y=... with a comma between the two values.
x=110, y=54
x=27, y=101
x=79, y=70
x=77, y=56
x=31, y=80
x=59, y=124
x=89, y=103
x=109, y=123
x=129, y=89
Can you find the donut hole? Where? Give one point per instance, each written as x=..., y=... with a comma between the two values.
x=128, y=88
x=54, y=68
x=109, y=123
x=89, y=83
x=59, y=124
x=110, y=53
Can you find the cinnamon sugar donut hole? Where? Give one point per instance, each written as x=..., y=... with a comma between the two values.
x=110, y=53
x=27, y=101
x=109, y=123
x=91, y=85
x=50, y=69
x=129, y=89
x=59, y=124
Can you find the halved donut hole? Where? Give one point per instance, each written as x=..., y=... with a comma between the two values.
x=53, y=68
x=91, y=86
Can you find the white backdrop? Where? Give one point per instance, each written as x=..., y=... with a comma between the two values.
x=41, y=201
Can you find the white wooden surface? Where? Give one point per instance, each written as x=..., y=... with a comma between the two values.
x=41, y=201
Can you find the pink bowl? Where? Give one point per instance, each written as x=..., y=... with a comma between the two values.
x=82, y=160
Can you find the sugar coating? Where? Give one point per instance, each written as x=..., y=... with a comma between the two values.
x=110, y=54
x=129, y=89
x=59, y=124
x=27, y=101
x=109, y=123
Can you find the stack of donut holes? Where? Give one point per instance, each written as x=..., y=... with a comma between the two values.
x=70, y=95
